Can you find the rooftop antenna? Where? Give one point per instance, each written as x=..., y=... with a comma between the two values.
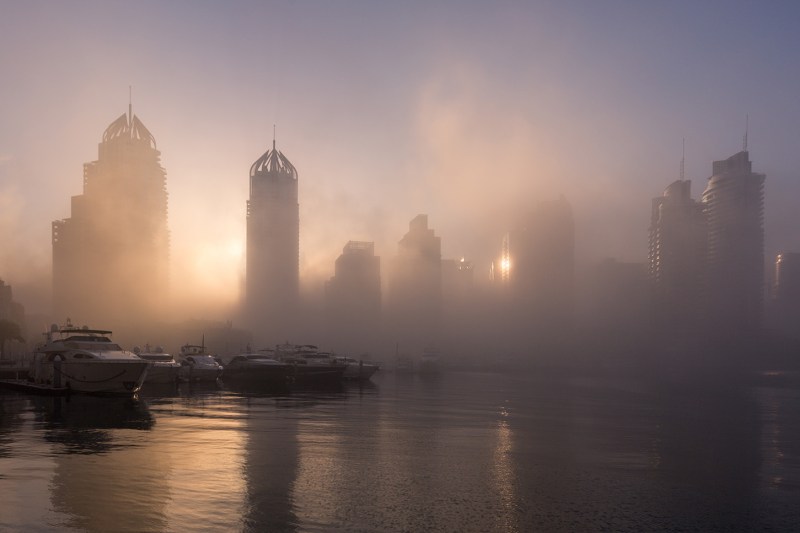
x=683, y=157
x=746, y=127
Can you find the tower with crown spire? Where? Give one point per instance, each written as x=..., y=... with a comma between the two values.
x=273, y=247
x=111, y=256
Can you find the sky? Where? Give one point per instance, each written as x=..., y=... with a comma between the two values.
x=465, y=111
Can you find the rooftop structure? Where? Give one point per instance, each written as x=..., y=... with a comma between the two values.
x=273, y=246
x=111, y=256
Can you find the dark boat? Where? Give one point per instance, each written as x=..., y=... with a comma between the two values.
x=310, y=366
x=257, y=369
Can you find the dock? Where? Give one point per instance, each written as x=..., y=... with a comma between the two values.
x=23, y=385
x=13, y=370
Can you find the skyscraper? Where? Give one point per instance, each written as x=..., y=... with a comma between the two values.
x=353, y=299
x=536, y=269
x=111, y=257
x=734, y=206
x=273, y=247
x=677, y=257
x=415, y=288
x=785, y=303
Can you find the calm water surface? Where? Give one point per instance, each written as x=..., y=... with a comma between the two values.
x=469, y=452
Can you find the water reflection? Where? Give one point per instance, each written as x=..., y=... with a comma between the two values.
x=504, y=476
x=469, y=452
x=708, y=444
x=12, y=407
x=269, y=466
x=85, y=489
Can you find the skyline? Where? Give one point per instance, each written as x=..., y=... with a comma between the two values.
x=454, y=122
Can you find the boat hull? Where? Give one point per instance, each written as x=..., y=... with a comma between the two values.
x=163, y=375
x=93, y=376
x=195, y=374
x=266, y=374
x=356, y=371
x=317, y=374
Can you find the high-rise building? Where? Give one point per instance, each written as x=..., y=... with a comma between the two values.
x=273, y=248
x=111, y=256
x=353, y=299
x=618, y=297
x=734, y=206
x=415, y=287
x=536, y=268
x=677, y=257
x=785, y=302
x=9, y=309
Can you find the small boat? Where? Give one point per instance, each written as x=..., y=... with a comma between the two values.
x=309, y=365
x=164, y=370
x=430, y=363
x=197, y=365
x=403, y=363
x=357, y=369
x=257, y=368
x=79, y=359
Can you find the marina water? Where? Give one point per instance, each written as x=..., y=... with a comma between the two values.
x=471, y=451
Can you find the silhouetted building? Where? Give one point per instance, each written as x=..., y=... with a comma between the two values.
x=457, y=280
x=619, y=297
x=9, y=309
x=12, y=311
x=536, y=269
x=677, y=257
x=734, y=206
x=464, y=314
x=273, y=248
x=111, y=257
x=353, y=299
x=786, y=293
x=415, y=287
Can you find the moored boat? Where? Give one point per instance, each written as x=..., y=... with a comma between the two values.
x=430, y=362
x=309, y=365
x=164, y=368
x=87, y=361
x=357, y=369
x=197, y=365
x=257, y=368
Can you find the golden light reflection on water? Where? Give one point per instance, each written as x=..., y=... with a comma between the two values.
x=503, y=474
x=152, y=485
x=206, y=477
x=319, y=471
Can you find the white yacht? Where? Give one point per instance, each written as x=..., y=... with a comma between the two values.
x=164, y=369
x=258, y=368
x=197, y=365
x=430, y=362
x=86, y=360
x=310, y=366
x=357, y=369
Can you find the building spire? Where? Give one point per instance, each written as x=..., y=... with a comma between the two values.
x=130, y=104
x=746, y=127
x=273, y=137
x=683, y=157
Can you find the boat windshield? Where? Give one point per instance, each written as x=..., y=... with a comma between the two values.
x=156, y=357
x=94, y=346
x=203, y=359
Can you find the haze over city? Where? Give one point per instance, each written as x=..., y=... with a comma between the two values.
x=468, y=113
x=399, y=266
